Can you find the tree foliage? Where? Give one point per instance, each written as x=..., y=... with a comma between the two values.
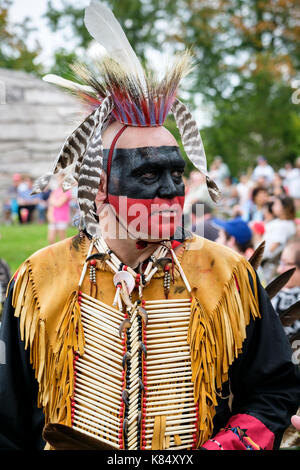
x=14, y=52
x=260, y=120
x=246, y=55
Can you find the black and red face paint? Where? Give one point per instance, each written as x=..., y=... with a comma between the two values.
x=145, y=187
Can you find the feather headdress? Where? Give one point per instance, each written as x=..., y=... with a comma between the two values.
x=119, y=89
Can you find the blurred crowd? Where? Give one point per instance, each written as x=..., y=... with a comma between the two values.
x=262, y=205
x=54, y=206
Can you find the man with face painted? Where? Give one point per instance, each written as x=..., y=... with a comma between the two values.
x=127, y=336
x=142, y=188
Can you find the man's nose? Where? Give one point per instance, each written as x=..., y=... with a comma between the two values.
x=167, y=188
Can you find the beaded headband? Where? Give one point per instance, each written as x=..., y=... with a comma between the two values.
x=118, y=89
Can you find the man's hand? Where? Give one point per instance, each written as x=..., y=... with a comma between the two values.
x=296, y=422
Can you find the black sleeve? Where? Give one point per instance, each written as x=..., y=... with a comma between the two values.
x=21, y=421
x=264, y=380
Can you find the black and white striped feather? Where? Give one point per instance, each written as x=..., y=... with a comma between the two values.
x=92, y=145
x=73, y=149
x=192, y=143
x=90, y=172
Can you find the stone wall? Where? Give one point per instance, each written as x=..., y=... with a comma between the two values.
x=35, y=119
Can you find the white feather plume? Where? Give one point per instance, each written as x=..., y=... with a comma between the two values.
x=107, y=31
x=56, y=80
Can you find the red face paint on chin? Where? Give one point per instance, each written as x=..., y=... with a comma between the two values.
x=149, y=218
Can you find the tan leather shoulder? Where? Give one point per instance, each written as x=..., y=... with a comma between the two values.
x=209, y=267
x=54, y=272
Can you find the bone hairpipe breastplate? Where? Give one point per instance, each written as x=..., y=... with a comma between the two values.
x=132, y=385
x=135, y=392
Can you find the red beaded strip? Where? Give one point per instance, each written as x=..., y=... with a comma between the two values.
x=144, y=396
x=137, y=280
x=121, y=415
x=122, y=404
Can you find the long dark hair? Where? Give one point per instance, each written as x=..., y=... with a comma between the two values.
x=288, y=206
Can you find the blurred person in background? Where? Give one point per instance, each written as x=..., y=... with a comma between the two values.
x=290, y=294
x=278, y=232
x=253, y=210
x=259, y=227
x=42, y=206
x=74, y=207
x=236, y=234
x=278, y=185
x=230, y=195
x=27, y=203
x=58, y=211
x=285, y=170
x=282, y=227
x=268, y=214
x=292, y=180
x=202, y=221
x=10, y=206
x=258, y=231
x=263, y=170
x=286, y=298
x=244, y=187
x=240, y=237
x=197, y=192
x=219, y=171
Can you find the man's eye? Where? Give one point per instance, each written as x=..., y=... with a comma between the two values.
x=177, y=174
x=149, y=175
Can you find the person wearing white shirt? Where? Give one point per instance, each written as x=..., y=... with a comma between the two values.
x=282, y=228
x=263, y=170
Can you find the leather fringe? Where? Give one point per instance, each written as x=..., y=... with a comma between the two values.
x=56, y=380
x=216, y=339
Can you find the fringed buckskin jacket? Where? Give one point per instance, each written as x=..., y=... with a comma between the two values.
x=243, y=376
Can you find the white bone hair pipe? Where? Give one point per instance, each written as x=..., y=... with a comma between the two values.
x=86, y=368
x=96, y=428
x=116, y=446
x=102, y=416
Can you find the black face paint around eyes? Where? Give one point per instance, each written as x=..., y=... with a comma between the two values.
x=146, y=172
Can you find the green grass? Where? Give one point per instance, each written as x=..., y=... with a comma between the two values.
x=17, y=242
